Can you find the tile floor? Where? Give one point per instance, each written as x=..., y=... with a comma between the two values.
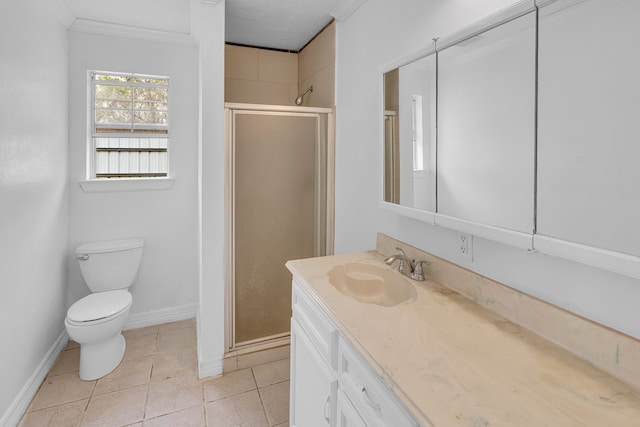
x=157, y=385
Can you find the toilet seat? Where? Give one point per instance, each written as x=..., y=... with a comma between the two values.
x=99, y=307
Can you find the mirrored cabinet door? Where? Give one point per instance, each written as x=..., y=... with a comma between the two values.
x=536, y=119
x=589, y=117
x=486, y=127
x=409, y=134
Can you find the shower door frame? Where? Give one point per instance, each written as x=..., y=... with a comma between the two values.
x=230, y=111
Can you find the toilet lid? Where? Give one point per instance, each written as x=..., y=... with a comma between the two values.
x=99, y=305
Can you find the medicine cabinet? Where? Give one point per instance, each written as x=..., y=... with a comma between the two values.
x=521, y=129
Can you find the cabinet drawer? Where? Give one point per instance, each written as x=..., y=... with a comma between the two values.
x=320, y=330
x=377, y=405
x=347, y=415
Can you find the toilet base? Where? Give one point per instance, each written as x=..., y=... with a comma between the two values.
x=98, y=359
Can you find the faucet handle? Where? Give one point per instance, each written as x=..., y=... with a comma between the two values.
x=418, y=274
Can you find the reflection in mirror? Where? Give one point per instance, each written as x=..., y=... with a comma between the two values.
x=486, y=126
x=409, y=145
x=391, y=150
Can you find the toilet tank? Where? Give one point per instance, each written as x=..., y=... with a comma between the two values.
x=110, y=265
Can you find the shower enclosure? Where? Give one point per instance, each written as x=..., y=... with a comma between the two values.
x=279, y=175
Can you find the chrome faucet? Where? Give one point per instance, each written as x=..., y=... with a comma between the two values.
x=414, y=267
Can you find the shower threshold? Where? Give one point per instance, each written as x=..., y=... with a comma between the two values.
x=256, y=352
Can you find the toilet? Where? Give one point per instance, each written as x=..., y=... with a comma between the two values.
x=95, y=322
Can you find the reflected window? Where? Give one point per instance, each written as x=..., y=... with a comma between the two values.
x=418, y=140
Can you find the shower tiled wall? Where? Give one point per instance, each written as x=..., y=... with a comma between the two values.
x=260, y=76
x=316, y=67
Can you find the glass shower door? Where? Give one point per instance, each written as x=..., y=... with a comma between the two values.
x=277, y=212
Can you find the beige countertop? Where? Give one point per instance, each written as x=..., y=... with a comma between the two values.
x=453, y=362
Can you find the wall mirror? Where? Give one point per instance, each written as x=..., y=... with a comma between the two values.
x=459, y=131
x=486, y=126
x=535, y=114
x=588, y=122
x=409, y=134
x=588, y=90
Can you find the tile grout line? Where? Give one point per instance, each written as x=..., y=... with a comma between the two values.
x=84, y=412
x=92, y=396
x=146, y=400
x=204, y=404
x=264, y=411
x=184, y=374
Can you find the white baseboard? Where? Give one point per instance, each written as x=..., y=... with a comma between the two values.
x=158, y=317
x=209, y=368
x=21, y=403
x=138, y=320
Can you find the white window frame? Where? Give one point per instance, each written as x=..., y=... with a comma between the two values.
x=132, y=182
x=417, y=133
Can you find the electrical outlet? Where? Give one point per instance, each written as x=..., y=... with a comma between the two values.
x=465, y=246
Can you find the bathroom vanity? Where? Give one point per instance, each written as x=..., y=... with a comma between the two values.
x=331, y=383
x=439, y=358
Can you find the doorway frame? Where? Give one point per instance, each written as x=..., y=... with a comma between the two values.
x=230, y=110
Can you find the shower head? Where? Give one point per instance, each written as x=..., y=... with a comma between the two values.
x=299, y=98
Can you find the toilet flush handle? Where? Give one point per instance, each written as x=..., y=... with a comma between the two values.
x=82, y=257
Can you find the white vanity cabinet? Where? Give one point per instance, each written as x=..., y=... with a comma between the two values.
x=377, y=406
x=331, y=384
x=314, y=382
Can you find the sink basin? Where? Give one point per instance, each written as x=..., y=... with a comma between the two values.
x=371, y=284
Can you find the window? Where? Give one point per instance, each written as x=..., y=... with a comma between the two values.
x=417, y=132
x=129, y=126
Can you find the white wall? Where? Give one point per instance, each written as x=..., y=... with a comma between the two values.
x=380, y=32
x=211, y=316
x=33, y=190
x=165, y=219
x=44, y=214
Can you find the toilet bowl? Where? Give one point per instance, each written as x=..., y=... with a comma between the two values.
x=95, y=321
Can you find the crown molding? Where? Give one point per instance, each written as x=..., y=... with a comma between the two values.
x=117, y=30
x=502, y=16
x=63, y=13
x=345, y=9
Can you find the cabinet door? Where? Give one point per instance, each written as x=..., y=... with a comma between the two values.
x=313, y=385
x=588, y=124
x=347, y=416
x=486, y=110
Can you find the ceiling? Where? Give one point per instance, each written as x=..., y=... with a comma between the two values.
x=276, y=24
